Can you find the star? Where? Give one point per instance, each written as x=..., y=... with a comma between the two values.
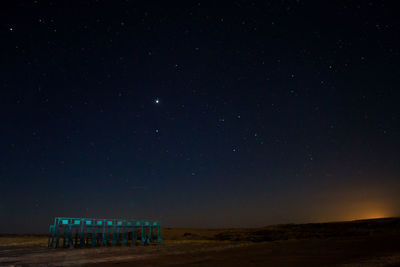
x=157, y=101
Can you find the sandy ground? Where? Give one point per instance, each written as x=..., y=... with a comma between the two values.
x=315, y=245
x=377, y=251
x=371, y=251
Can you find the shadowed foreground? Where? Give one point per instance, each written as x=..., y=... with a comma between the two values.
x=358, y=243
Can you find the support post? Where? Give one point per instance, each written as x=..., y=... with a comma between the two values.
x=124, y=239
x=82, y=238
x=143, y=234
x=104, y=241
x=70, y=239
x=114, y=236
x=57, y=230
x=94, y=236
x=159, y=239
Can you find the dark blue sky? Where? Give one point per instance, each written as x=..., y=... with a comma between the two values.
x=268, y=112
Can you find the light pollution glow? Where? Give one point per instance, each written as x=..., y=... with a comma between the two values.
x=357, y=210
x=367, y=210
x=352, y=204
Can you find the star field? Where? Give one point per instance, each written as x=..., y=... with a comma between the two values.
x=199, y=114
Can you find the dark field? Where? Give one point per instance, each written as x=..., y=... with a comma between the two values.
x=357, y=243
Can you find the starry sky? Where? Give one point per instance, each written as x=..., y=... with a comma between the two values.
x=200, y=114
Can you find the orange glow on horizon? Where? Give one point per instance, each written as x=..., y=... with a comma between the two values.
x=363, y=211
x=369, y=216
x=352, y=209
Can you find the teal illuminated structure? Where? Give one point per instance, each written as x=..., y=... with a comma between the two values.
x=84, y=232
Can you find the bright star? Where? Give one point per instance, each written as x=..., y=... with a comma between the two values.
x=157, y=101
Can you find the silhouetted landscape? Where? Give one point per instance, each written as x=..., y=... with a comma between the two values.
x=374, y=242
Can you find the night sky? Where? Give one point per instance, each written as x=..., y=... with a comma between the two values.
x=200, y=114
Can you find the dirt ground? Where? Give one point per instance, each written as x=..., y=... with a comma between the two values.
x=371, y=243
